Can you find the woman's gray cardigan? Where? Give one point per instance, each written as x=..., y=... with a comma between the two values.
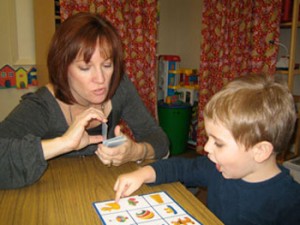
x=39, y=117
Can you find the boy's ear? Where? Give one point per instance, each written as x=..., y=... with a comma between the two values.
x=262, y=151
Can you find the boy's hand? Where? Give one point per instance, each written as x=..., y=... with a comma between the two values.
x=127, y=183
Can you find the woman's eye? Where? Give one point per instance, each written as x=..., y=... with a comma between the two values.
x=84, y=68
x=108, y=65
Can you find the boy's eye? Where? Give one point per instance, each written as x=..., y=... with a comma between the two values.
x=219, y=145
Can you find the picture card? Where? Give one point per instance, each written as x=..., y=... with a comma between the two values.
x=156, y=208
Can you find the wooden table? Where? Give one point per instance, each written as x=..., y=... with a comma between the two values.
x=66, y=192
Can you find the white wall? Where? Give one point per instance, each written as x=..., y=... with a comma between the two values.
x=16, y=45
x=9, y=98
x=179, y=31
x=24, y=46
x=5, y=27
x=17, y=32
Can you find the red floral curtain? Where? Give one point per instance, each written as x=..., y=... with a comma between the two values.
x=238, y=39
x=136, y=21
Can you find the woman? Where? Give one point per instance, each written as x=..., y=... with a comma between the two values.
x=87, y=88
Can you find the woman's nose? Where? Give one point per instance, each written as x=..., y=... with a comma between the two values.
x=98, y=76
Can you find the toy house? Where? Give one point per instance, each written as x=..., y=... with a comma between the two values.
x=174, y=83
x=189, y=78
x=32, y=77
x=188, y=86
x=8, y=77
x=21, y=78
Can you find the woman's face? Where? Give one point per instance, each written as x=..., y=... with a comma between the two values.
x=231, y=158
x=89, y=82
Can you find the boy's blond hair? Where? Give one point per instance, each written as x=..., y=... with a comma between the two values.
x=255, y=108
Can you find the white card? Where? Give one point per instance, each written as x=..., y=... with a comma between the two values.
x=114, y=142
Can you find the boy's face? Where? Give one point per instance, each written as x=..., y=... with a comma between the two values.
x=231, y=158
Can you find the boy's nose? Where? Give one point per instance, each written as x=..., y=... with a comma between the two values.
x=207, y=147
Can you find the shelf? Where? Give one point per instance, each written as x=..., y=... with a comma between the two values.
x=297, y=102
x=288, y=25
x=297, y=98
x=281, y=158
x=286, y=72
x=291, y=72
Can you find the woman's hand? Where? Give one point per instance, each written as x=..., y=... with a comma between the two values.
x=75, y=137
x=126, y=152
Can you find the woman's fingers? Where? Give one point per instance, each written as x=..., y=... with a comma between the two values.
x=77, y=131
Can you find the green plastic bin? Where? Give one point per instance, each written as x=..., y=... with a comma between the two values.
x=175, y=121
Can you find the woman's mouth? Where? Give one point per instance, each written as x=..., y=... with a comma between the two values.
x=99, y=91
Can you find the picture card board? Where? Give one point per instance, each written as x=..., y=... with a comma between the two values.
x=157, y=208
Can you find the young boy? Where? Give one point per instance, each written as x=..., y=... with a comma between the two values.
x=247, y=123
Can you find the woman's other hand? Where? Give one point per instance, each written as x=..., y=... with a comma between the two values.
x=126, y=152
